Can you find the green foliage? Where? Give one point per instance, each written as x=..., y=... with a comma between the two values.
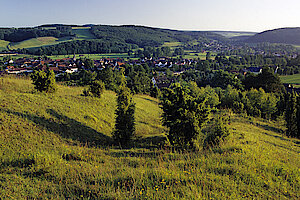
x=125, y=120
x=291, y=115
x=218, y=133
x=48, y=155
x=44, y=81
x=154, y=91
x=183, y=115
x=95, y=89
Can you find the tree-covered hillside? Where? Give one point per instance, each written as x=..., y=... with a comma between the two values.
x=282, y=35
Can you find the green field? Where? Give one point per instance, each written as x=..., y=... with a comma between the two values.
x=3, y=45
x=58, y=146
x=38, y=42
x=172, y=44
x=230, y=34
x=92, y=56
x=291, y=79
x=83, y=33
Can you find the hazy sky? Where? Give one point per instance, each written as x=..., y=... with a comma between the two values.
x=239, y=15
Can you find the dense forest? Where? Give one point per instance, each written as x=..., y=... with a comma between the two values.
x=20, y=34
x=282, y=35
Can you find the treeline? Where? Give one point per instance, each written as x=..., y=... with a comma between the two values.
x=147, y=36
x=141, y=36
x=20, y=34
x=81, y=47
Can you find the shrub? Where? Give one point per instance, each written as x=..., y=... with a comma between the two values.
x=44, y=81
x=96, y=89
x=183, y=115
x=218, y=134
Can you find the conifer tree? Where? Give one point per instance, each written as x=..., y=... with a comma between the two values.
x=125, y=121
x=291, y=115
x=298, y=116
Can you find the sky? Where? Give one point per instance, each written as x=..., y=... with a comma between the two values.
x=226, y=15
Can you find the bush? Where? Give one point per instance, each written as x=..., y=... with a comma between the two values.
x=44, y=81
x=218, y=134
x=96, y=89
x=183, y=115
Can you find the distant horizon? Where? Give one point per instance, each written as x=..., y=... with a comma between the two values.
x=192, y=15
x=212, y=30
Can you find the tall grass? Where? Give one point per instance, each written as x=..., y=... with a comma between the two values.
x=58, y=147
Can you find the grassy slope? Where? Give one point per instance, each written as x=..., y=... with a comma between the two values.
x=83, y=33
x=38, y=42
x=42, y=157
x=291, y=79
x=3, y=44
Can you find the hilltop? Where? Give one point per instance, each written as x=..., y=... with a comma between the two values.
x=282, y=35
x=58, y=146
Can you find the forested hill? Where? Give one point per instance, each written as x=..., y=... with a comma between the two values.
x=282, y=35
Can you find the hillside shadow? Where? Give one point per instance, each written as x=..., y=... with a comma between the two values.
x=276, y=136
x=270, y=128
x=152, y=142
x=276, y=145
x=67, y=128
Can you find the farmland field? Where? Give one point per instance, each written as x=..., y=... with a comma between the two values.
x=38, y=42
x=291, y=79
x=92, y=56
x=83, y=33
x=3, y=44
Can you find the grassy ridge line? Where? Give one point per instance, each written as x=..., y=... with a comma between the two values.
x=41, y=156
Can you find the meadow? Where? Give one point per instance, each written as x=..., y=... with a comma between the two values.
x=3, y=45
x=58, y=146
x=38, y=42
x=291, y=79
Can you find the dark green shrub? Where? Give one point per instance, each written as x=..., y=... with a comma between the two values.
x=183, y=115
x=96, y=89
x=218, y=134
x=44, y=81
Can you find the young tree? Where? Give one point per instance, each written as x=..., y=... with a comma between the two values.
x=125, y=121
x=291, y=115
x=183, y=116
x=44, y=81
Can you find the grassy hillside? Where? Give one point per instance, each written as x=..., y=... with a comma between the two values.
x=291, y=79
x=58, y=146
x=3, y=45
x=38, y=42
x=83, y=33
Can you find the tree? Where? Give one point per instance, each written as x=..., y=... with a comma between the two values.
x=96, y=89
x=44, y=81
x=298, y=116
x=183, y=115
x=291, y=115
x=125, y=121
x=208, y=56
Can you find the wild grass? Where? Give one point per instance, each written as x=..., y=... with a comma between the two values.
x=59, y=147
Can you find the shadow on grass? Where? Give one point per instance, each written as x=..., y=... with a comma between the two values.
x=276, y=145
x=276, y=136
x=67, y=128
x=270, y=128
